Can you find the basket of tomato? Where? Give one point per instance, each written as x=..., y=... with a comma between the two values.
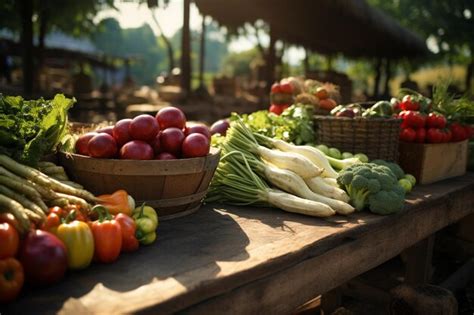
x=162, y=160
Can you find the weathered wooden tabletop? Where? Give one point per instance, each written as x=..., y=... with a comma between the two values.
x=247, y=260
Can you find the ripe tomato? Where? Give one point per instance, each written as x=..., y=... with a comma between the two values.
x=9, y=240
x=434, y=135
x=408, y=103
x=276, y=88
x=420, y=135
x=322, y=93
x=286, y=88
x=277, y=109
x=327, y=103
x=458, y=132
x=407, y=135
x=435, y=121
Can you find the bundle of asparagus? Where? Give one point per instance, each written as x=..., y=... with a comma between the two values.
x=26, y=192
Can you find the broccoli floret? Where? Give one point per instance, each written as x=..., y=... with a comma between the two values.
x=395, y=168
x=373, y=186
x=387, y=202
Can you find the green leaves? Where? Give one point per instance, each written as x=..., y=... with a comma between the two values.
x=294, y=125
x=30, y=129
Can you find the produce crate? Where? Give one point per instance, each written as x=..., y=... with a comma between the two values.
x=375, y=137
x=434, y=162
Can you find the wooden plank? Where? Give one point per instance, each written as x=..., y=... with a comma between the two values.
x=216, y=253
x=284, y=291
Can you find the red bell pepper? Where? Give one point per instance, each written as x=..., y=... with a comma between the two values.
x=107, y=236
x=128, y=226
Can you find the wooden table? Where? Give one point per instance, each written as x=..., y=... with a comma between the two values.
x=248, y=260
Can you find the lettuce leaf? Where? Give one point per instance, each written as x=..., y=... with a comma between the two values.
x=30, y=129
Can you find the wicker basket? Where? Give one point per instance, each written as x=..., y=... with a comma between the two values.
x=376, y=137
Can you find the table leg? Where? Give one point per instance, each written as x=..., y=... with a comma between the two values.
x=331, y=300
x=418, y=262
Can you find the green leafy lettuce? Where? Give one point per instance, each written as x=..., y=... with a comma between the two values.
x=30, y=129
x=294, y=125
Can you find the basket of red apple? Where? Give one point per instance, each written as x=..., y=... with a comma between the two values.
x=162, y=160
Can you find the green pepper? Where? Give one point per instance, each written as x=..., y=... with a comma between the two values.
x=146, y=220
x=145, y=212
x=148, y=239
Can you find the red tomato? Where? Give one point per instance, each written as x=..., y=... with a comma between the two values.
x=198, y=128
x=286, y=88
x=10, y=219
x=9, y=239
x=143, y=127
x=420, y=135
x=435, y=121
x=447, y=135
x=458, y=132
x=434, y=135
x=412, y=119
x=408, y=103
x=136, y=150
x=59, y=211
x=43, y=257
x=102, y=146
x=407, y=135
x=171, y=140
x=469, y=131
x=171, y=117
x=276, y=88
x=195, y=145
x=82, y=143
x=120, y=131
x=277, y=109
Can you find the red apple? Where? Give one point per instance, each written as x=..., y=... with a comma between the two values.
x=171, y=117
x=136, y=150
x=143, y=127
x=195, y=145
x=83, y=142
x=171, y=140
x=102, y=146
x=198, y=128
x=156, y=143
x=120, y=131
x=165, y=156
x=108, y=129
x=220, y=127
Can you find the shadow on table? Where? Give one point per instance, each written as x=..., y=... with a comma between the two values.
x=185, y=244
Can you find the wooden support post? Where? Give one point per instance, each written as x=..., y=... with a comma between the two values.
x=330, y=301
x=26, y=8
x=418, y=262
x=186, y=50
x=271, y=59
x=202, y=54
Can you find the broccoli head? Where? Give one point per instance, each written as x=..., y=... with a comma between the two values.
x=372, y=186
x=395, y=168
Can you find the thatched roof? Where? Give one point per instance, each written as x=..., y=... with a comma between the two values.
x=351, y=27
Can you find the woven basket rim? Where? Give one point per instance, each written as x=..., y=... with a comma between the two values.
x=390, y=119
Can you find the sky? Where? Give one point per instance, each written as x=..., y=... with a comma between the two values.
x=132, y=15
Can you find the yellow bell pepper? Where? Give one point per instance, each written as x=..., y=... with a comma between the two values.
x=79, y=241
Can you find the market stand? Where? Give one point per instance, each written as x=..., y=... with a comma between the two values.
x=222, y=257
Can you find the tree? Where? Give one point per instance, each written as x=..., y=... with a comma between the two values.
x=449, y=25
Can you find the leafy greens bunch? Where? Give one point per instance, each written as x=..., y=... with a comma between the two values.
x=30, y=129
x=294, y=125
